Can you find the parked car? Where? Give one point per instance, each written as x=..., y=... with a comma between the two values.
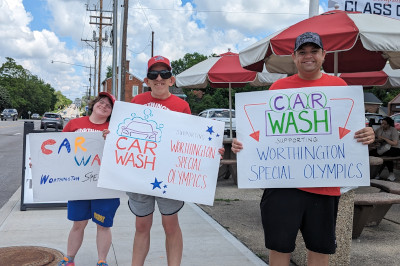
x=396, y=119
x=373, y=120
x=53, y=120
x=221, y=115
x=35, y=116
x=9, y=114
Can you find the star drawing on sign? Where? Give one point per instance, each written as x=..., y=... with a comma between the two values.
x=209, y=138
x=217, y=135
x=165, y=186
x=164, y=192
x=210, y=130
x=156, y=183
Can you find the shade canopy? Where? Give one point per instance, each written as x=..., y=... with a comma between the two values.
x=221, y=72
x=386, y=79
x=360, y=43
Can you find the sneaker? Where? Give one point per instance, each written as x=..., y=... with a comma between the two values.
x=391, y=177
x=102, y=263
x=65, y=262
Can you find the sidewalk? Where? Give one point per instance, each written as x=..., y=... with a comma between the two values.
x=205, y=241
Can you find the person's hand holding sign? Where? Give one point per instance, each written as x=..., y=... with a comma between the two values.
x=365, y=135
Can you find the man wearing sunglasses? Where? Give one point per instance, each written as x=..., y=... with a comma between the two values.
x=159, y=79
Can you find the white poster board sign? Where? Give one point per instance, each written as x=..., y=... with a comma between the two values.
x=28, y=189
x=389, y=8
x=162, y=153
x=301, y=138
x=65, y=166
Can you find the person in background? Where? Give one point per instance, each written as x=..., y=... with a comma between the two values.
x=313, y=211
x=101, y=211
x=387, y=140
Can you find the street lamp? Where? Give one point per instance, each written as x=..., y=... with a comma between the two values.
x=90, y=72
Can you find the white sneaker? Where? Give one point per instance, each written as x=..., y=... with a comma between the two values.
x=391, y=177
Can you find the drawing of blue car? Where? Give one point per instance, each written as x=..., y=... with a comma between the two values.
x=140, y=130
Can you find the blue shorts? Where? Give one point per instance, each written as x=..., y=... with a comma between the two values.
x=101, y=211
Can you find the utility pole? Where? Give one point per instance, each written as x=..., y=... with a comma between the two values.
x=152, y=43
x=98, y=20
x=123, y=51
x=94, y=39
x=100, y=43
x=313, y=8
x=115, y=49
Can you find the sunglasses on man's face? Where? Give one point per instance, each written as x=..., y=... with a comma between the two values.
x=165, y=74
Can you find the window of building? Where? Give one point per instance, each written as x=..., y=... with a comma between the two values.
x=130, y=77
x=135, y=90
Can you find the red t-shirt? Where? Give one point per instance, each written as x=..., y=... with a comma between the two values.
x=83, y=124
x=173, y=103
x=295, y=81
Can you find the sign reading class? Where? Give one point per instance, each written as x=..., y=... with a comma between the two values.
x=65, y=166
x=389, y=8
x=162, y=153
x=301, y=138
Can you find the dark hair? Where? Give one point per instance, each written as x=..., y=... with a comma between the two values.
x=97, y=99
x=389, y=121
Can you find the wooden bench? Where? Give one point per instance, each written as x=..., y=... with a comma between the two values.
x=370, y=208
x=232, y=168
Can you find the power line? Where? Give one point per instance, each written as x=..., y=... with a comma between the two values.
x=140, y=51
x=220, y=11
x=141, y=7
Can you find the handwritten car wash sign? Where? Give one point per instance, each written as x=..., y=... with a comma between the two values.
x=162, y=153
x=389, y=8
x=301, y=138
x=65, y=166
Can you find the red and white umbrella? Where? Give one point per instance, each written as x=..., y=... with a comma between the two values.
x=386, y=79
x=354, y=42
x=223, y=71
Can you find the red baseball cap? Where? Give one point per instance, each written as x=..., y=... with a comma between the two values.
x=109, y=95
x=158, y=59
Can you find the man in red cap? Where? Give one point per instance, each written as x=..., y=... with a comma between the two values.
x=159, y=79
x=313, y=211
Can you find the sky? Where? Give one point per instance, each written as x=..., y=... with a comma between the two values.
x=45, y=36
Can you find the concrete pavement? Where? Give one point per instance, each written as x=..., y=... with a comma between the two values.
x=205, y=241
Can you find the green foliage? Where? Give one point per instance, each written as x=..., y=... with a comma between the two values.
x=5, y=99
x=109, y=72
x=25, y=92
x=214, y=97
x=201, y=99
x=384, y=95
x=61, y=101
x=188, y=60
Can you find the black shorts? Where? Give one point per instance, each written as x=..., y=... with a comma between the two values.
x=286, y=210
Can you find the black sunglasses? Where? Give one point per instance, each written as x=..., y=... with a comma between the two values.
x=165, y=74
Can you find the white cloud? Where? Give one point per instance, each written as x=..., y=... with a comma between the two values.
x=178, y=30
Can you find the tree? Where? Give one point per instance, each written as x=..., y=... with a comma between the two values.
x=384, y=95
x=109, y=72
x=188, y=60
x=23, y=91
x=5, y=99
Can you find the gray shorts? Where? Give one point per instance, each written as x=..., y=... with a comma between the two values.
x=143, y=205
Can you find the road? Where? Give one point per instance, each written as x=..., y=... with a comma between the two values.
x=11, y=133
